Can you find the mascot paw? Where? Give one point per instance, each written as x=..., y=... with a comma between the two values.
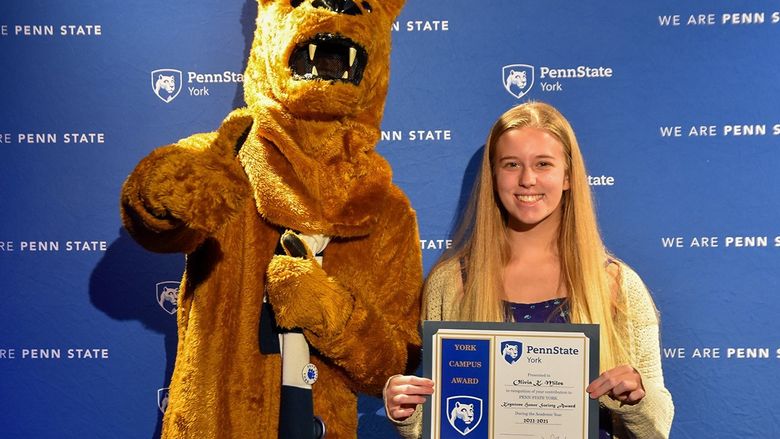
x=303, y=296
x=200, y=189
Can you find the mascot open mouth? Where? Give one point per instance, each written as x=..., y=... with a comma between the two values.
x=329, y=57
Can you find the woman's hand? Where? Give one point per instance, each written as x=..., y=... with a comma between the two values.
x=403, y=393
x=622, y=383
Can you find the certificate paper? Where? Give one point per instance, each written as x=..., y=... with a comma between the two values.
x=510, y=380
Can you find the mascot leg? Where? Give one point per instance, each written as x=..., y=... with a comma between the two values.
x=296, y=404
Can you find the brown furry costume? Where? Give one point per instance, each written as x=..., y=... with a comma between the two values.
x=300, y=156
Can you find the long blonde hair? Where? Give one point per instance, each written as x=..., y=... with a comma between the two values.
x=480, y=241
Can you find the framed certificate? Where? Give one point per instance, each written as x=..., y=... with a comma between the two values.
x=510, y=380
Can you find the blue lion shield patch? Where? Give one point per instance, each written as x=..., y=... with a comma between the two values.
x=511, y=351
x=464, y=413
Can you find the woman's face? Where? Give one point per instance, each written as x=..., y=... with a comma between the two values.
x=530, y=174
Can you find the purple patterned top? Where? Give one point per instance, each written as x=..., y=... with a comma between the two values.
x=549, y=311
x=554, y=311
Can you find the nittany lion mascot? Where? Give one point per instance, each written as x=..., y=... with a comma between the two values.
x=303, y=271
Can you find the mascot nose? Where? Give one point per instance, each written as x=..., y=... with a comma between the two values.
x=339, y=6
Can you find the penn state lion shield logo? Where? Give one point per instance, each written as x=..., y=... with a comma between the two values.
x=166, y=84
x=168, y=295
x=511, y=351
x=464, y=413
x=518, y=79
x=162, y=399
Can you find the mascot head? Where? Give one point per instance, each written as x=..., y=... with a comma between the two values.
x=322, y=59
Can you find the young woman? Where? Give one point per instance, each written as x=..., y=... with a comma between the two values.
x=528, y=249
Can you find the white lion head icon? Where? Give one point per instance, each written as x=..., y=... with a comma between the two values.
x=510, y=352
x=520, y=79
x=464, y=412
x=165, y=82
x=168, y=296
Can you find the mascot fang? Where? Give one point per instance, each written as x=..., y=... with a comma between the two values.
x=303, y=272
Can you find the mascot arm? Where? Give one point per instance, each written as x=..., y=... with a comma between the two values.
x=369, y=328
x=182, y=193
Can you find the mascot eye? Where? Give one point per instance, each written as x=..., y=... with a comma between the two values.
x=339, y=6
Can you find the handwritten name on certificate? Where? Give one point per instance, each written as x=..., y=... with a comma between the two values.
x=510, y=380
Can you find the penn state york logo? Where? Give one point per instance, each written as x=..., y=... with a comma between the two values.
x=166, y=84
x=162, y=399
x=168, y=295
x=464, y=413
x=511, y=351
x=518, y=79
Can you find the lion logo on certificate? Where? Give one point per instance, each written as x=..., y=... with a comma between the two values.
x=465, y=413
x=511, y=351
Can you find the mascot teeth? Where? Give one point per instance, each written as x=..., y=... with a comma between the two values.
x=352, y=55
x=312, y=50
x=328, y=57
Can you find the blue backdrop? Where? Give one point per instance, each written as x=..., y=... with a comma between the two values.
x=674, y=104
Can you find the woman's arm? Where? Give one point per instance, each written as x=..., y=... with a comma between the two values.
x=404, y=395
x=651, y=416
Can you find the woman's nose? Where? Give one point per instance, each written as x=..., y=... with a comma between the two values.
x=527, y=178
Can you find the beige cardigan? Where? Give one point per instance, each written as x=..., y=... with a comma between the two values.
x=651, y=418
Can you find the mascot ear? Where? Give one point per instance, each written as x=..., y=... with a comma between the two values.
x=232, y=134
